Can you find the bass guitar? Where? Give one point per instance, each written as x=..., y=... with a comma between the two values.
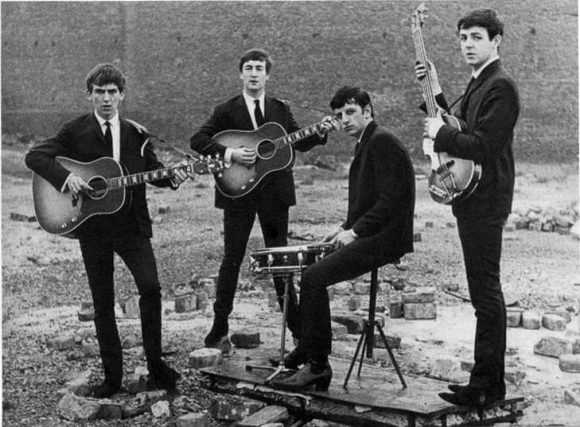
x=61, y=213
x=452, y=179
x=274, y=153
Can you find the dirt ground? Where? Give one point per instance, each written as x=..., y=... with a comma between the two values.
x=43, y=284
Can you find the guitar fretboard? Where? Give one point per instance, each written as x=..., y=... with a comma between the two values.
x=299, y=134
x=426, y=83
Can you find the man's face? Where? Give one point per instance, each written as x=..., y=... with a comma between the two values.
x=353, y=118
x=254, y=77
x=106, y=99
x=476, y=46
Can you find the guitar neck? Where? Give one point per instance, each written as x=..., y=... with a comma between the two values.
x=426, y=83
x=300, y=134
x=145, y=177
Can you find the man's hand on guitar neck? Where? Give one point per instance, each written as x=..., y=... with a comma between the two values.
x=421, y=72
x=433, y=124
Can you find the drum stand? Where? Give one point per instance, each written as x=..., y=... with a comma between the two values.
x=368, y=336
x=288, y=281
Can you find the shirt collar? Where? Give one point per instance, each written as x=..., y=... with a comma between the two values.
x=113, y=120
x=250, y=100
x=363, y=132
x=476, y=74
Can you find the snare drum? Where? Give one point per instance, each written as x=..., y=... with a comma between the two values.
x=287, y=259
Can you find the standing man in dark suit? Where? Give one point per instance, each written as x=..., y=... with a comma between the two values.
x=490, y=108
x=270, y=201
x=378, y=230
x=127, y=232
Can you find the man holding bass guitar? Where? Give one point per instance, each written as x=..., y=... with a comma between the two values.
x=249, y=186
x=100, y=134
x=490, y=108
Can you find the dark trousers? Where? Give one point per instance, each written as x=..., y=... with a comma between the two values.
x=481, y=240
x=137, y=253
x=342, y=264
x=238, y=223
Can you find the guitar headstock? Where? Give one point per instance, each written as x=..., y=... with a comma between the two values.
x=418, y=16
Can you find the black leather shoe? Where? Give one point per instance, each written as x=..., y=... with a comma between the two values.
x=217, y=332
x=295, y=358
x=104, y=390
x=474, y=397
x=455, y=387
x=163, y=377
x=306, y=377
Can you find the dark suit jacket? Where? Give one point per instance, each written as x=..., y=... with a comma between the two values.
x=490, y=107
x=381, y=195
x=234, y=115
x=82, y=140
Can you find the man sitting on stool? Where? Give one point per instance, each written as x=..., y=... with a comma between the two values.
x=378, y=230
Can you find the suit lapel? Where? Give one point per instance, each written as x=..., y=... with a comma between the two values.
x=245, y=114
x=365, y=137
x=474, y=84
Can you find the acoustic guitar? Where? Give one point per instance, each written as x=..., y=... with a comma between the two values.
x=452, y=179
x=274, y=153
x=62, y=213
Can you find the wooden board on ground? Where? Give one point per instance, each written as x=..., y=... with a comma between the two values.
x=376, y=398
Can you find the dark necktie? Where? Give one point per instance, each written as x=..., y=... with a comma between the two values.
x=108, y=135
x=258, y=113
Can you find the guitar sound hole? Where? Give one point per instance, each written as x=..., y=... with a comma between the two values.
x=100, y=188
x=266, y=149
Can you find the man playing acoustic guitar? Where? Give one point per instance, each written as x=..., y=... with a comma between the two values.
x=102, y=133
x=274, y=193
x=490, y=108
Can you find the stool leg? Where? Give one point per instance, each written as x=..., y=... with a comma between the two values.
x=391, y=355
x=352, y=362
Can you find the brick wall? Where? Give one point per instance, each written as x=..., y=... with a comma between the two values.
x=181, y=60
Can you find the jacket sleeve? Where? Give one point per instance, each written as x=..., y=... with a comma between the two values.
x=495, y=122
x=202, y=141
x=41, y=157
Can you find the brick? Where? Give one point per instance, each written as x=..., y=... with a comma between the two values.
x=562, y=312
x=419, y=295
x=553, y=347
x=354, y=303
x=185, y=303
x=553, y=322
x=225, y=410
x=132, y=310
x=205, y=357
x=514, y=317
x=531, y=320
x=75, y=408
x=393, y=341
x=62, y=343
x=570, y=363
x=339, y=331
x=572, y=397
x=269, y=414
x=193, y=419
x=245, y=339
x=414, y=311
x=396, y=309
x=354, y=324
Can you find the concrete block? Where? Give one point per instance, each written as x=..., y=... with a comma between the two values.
x=110, y=410
x=396, y=309
x=75, y=408
x=553, y=347
x=245, y=339
x=185, y=303
x=65, y=342
x=362, y=288
x=339, y=332
x=269, y=414
x=193, y=419
x=354, y=303
x=424, y=294
x=224, y=410
x=354, y=324
x=202, y=300
x=531, y=320
x=514, y=317
x=570, y=363
x=205, y=357
x=554, y=322
x=132, y=310
x=393, y=341
x=416, y=311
